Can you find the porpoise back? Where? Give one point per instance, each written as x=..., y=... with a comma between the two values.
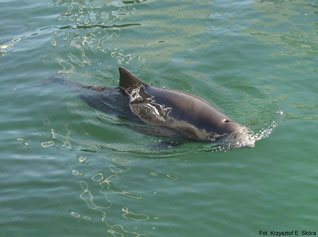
x=187, y=113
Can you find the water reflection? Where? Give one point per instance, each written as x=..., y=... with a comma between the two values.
x=101, y=194
x=290, y=30
x=88, y=36
x=115, y=31
x=292, y=24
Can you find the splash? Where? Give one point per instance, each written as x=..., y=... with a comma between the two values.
x=245, y=137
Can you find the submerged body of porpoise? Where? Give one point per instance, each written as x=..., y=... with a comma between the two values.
x=164, y=112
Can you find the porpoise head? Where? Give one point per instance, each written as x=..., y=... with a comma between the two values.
x=235, y=134
x=227, y=126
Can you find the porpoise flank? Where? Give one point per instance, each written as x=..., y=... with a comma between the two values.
x=167, y=112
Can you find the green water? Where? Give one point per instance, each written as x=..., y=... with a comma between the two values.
x=68, y=170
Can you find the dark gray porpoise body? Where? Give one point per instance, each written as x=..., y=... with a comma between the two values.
x=164, y=111
x=188, y=114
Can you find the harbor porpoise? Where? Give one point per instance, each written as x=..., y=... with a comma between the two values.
x=165, y=112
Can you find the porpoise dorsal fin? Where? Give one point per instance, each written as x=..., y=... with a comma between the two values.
x=128, y=81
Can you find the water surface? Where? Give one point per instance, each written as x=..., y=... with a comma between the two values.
x=69, y=170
